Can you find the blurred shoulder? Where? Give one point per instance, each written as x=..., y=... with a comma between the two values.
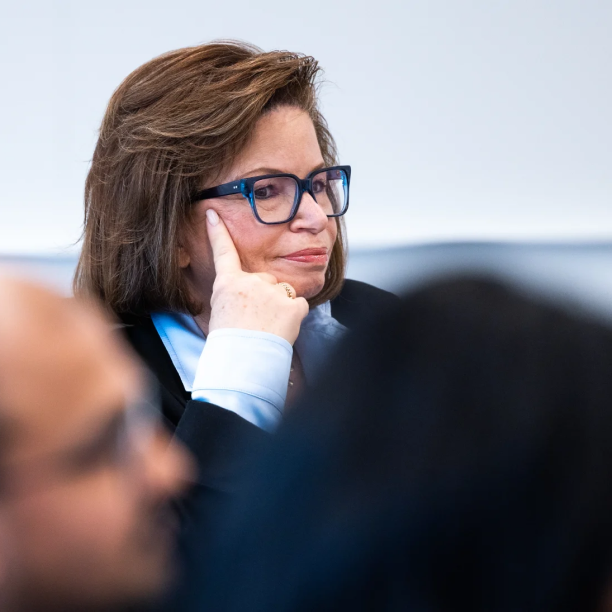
x=358, y=300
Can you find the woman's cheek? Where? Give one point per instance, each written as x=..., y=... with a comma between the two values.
x=248, y=251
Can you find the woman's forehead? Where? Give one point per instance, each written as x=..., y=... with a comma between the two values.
x=284, y=140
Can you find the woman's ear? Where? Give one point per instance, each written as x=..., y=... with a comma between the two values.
x=184, y=258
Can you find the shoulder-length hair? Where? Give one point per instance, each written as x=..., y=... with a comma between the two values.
x=173, y=125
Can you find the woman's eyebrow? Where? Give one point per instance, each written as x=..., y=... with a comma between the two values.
x=258, y=171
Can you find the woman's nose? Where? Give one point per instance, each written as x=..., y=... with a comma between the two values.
x=310, y=216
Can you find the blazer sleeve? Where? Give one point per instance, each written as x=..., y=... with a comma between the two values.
x=220, y=441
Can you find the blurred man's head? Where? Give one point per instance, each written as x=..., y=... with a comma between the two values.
x=86, y=473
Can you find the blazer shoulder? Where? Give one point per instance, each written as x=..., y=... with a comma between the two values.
x=144, y=339
x=358, y=300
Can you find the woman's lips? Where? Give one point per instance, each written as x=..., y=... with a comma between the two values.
x=318, y=256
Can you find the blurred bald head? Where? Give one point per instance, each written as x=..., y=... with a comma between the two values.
x=85, y=493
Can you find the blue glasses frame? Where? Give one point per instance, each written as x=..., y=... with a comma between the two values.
x=245, y=188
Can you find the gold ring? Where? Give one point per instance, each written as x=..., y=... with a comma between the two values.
x=289, y=289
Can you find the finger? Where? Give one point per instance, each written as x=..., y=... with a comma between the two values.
x=268, y=278
x=302, y=304
x=224, y=252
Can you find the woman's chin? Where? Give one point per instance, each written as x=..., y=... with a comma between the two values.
x=308, y=290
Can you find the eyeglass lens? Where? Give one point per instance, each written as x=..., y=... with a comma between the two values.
x=275, y=197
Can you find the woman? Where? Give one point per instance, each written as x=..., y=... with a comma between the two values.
x=483, y=485
x=213, y=229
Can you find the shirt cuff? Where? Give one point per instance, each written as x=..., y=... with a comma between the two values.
x=246, y=372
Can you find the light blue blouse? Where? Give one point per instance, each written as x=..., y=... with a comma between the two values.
x=245, y=371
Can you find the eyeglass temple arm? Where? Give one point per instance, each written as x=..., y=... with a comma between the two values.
x=219, y=191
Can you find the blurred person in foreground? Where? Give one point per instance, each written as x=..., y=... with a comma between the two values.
x=86, y=472
x=459, y=457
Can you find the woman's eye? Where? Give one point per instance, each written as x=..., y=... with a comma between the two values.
x=265, y=192
x=319, y=186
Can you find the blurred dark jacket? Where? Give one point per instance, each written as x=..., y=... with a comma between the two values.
x=457, y=457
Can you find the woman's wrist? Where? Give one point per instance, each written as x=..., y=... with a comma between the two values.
x=245, y=371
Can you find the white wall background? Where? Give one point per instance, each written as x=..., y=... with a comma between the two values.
x=462, y=119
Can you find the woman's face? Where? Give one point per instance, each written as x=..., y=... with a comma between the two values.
x=284, y=141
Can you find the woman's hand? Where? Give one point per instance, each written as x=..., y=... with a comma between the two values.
x=248, y=301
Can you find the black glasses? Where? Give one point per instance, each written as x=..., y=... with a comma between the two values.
x=275, y=198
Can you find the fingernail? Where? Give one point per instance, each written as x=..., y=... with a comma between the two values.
x=212, y=216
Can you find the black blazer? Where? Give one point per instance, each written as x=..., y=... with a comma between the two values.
x=208, y=430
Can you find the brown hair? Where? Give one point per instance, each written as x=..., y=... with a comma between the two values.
x=172, y=125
